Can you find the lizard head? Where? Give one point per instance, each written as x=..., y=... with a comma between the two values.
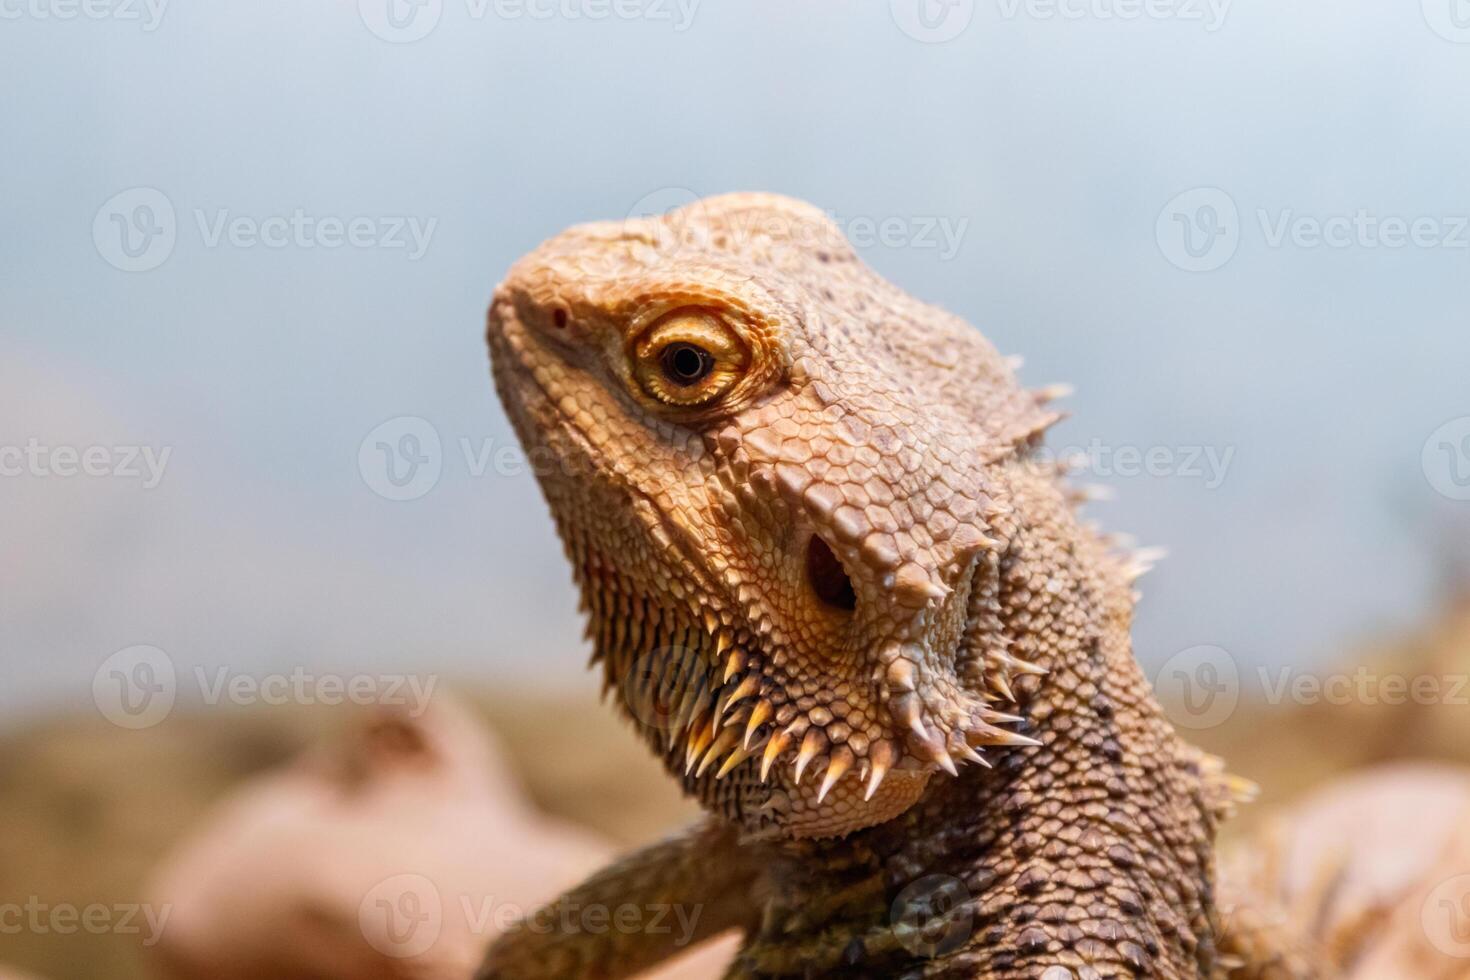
x=771, y=471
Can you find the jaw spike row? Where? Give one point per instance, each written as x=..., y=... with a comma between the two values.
x=689, y=705
x=736, y=757
x=777, y=745
x=721, y=745
x=748, y=686
x=697, y=741
x=841, y=761
x=970, y=755
x=883, y=755
x=998, y=736
x=814, y=743
x=759, y=715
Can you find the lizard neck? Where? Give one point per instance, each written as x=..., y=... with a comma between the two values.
x=1089, y=852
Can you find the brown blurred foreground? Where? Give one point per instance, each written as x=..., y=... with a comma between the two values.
x=90, y=810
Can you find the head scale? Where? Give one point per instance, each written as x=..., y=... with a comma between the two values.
x=769, y=468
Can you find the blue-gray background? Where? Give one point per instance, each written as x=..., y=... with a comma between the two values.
x=1056, y=142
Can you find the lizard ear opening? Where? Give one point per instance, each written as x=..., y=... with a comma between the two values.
x=827, y=576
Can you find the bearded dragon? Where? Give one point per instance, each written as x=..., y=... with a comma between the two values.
x=848, y=602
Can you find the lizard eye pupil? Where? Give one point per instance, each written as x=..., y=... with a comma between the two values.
x=686, y=364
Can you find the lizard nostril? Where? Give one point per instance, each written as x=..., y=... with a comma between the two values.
x=827, y=576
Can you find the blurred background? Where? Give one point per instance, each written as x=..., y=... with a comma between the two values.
x=248, y=439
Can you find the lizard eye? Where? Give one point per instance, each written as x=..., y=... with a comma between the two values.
x=685, y=364
x=689, y=359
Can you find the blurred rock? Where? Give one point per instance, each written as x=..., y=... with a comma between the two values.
x=1363, y=868
x=398, y=852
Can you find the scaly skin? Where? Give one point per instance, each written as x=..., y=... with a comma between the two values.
x=854, y=614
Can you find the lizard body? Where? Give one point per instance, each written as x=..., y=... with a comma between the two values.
x=855, y=613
